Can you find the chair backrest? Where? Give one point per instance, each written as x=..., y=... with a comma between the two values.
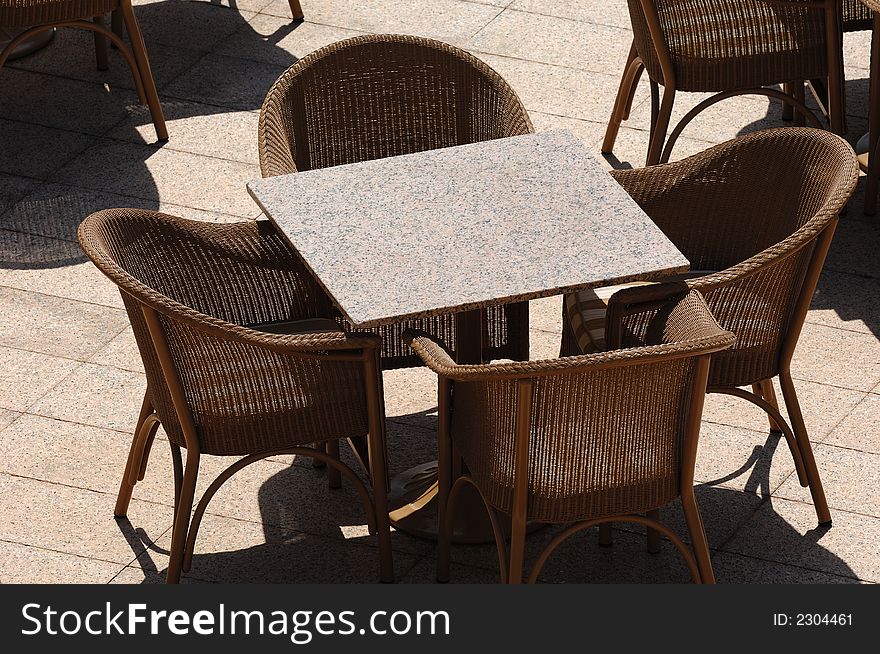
x=761, y=210
x=379, y=96
x=693, y=36
x=855, y=16
x=205, y=286
x=607, y=434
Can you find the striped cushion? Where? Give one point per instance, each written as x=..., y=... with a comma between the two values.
x=586, y=311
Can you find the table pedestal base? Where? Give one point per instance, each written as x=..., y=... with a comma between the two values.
x=861, y=149
x=413, y=509
x=28, y=46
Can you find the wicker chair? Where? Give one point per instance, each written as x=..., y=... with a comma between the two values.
x=547, y=441
x=380, y=96
x=40, y=15
x=728, y=47
x=239, y=356
x=761, y=210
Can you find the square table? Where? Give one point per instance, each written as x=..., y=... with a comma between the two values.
x=459, y=229
x=465, y=227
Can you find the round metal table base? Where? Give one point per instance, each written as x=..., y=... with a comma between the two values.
x=862, y=152
x=413, y=509
x=28, y=46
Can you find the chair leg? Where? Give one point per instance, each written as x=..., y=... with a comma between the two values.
x=100, y=46
x=834, y=45
x=295, y=9
x=787, y=109
x=383, y=524
x=660, y=126
x=139, y=51
x=334, y=476
x=517, y=550
x=117, y=24
x=796, y=419
x=182, y=517
x=623, y=102
x=653, y=534
x=698, y=535
x=605, y=538
x=139, y=443
x=765, y=389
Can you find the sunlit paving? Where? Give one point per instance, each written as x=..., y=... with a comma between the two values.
x=466, y=291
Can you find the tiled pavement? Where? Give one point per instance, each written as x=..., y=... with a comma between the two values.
x=73, y=141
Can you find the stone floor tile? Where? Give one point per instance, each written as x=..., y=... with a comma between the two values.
x=741, y=459
x=600, y=12
x=226, y=82
x=90, y=458
x=174, y=23
x=213, y=185
x=823, y=407
x=72, y=54
x=56, y=210
x=278, y=41
x=546, y=314
x=13, y=189
x=233, y=551
x=558, y=90
x=846, y=302
x=858, y=430
x=40, y=371
x=36, y=151
x=855, y=246
x=556, y=41
x=452, y=21
x=735, y=569
x=849, y=478
x=96, y=395
x=53, y=267
x=56, y=326
x=543, y=345
x=7, y=417
x=76, y=521
x=199, y=129
x=63, y=103
x=21, y=564
x=787, y=532
x=121, y=352
x=838, y=357
x=24, y=257
x=425, y=572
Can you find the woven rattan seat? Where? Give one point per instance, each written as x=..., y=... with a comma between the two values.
x=761, y=210
x=40, y=15
x=730, y=47
x=380, y=96
x=242, y=357
x=588, y=439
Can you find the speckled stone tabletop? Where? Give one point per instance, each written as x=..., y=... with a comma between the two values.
x=465, y=227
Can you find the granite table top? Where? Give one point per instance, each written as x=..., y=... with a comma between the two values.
x=465, y=227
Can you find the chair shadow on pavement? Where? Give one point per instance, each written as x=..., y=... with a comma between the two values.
x=40, y=224
x=312, y=534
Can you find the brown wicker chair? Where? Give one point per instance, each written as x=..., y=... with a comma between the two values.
x=380, y=96
x=762, y=210
x=547, y=441
x=40, y=15
x=240, y=358
x=729, y=47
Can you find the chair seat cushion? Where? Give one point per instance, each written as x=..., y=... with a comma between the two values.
x=585, y=311
x=304, y=326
